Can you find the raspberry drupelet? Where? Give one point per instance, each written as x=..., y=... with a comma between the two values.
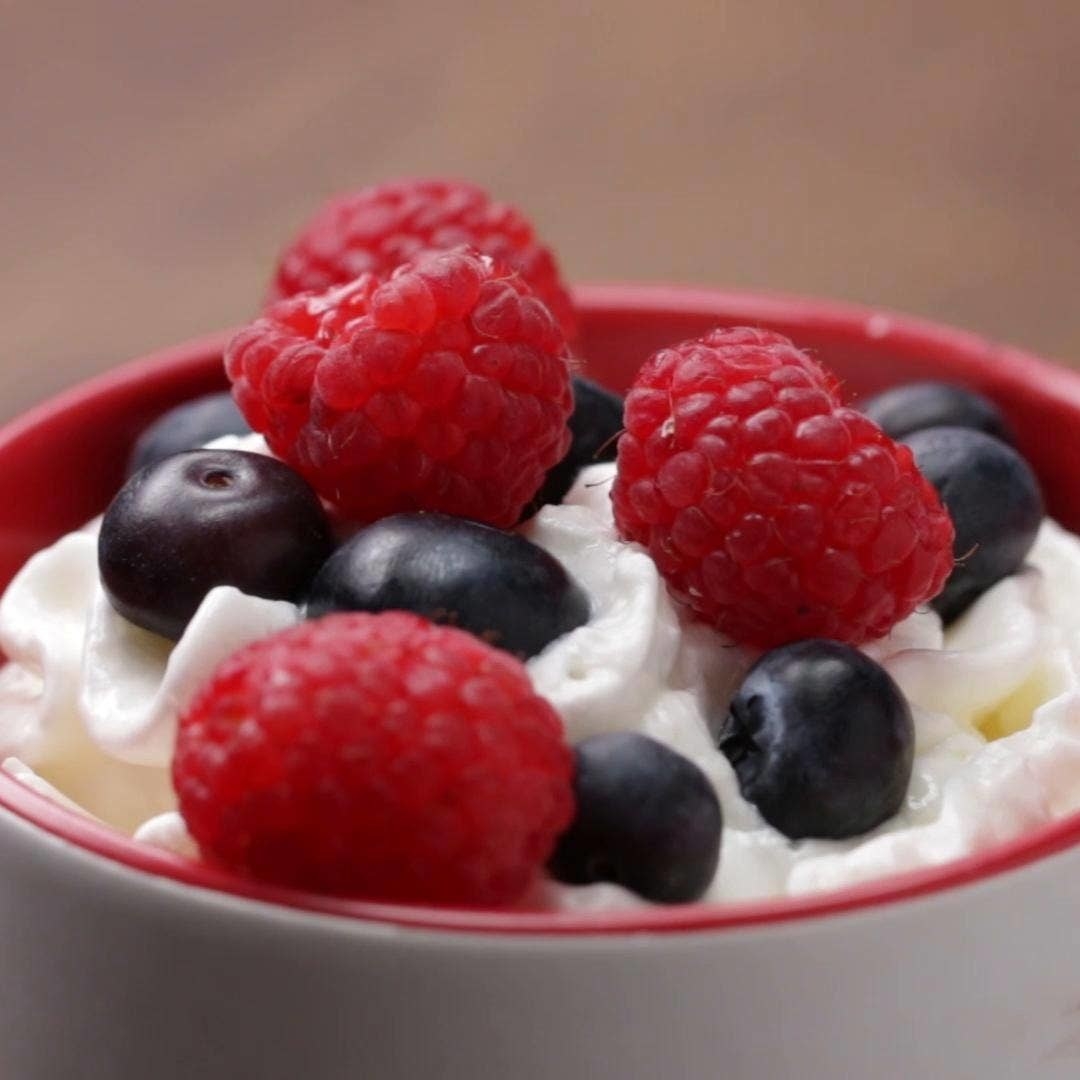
x=445, y=388
x=773, y=512
x=377, y=228
x=378, y=756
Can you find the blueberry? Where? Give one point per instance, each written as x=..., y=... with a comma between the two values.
x=916, y=406
x=204, y=518
x=596, y=421
x=821, y=740
x=647, y=819
x=494, y=584
x=995, y=504
x=187, y=427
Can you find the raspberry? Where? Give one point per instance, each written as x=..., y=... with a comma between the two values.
x=378, y=756
x=772, y=512
x=444, y=388
x=375, y=229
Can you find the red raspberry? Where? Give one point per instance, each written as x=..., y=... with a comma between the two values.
x=375, y=229
x=774, y=513
x=445, y=388
x=378, y=756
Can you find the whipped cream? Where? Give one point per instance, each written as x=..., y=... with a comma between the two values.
x=89, y=703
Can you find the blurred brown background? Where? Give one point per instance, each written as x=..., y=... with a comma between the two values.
x=923, y=156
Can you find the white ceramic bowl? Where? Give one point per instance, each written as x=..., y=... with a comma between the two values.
x=120, y=962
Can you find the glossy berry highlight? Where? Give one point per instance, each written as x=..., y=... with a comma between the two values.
x=497, y=585
x=773, y=512
x=821, y=740
x=204, y=518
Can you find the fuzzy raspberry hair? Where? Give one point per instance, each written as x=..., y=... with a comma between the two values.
x=378, y=756
x=774, y=513
x=377, y=228
x=445, y=388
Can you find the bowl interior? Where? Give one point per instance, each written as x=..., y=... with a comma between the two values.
x=61, y=463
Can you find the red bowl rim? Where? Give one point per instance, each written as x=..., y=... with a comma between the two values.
x=1050, y=839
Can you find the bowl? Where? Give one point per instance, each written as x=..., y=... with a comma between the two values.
x=122, y=961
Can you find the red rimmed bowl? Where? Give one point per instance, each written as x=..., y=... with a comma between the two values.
x=121, y=961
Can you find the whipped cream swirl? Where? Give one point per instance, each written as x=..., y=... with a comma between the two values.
x=89, y=703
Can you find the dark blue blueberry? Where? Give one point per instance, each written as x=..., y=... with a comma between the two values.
x=595, y=424
x=916, y=406
x=995, y=504
x=187, y=427
x=494, y=584
x=204, y=518
x=821, y=740
x=647, y=819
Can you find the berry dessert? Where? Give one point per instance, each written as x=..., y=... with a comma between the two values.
x=453, y=624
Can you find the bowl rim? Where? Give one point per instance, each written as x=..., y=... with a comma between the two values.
x=1049, y=839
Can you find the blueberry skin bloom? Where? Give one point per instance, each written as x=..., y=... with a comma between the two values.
x=495, y=584
x=995, y=504
x=647, y=818
x=188, y=427
x=204, y=518
x=917, y=406
x=821, y=740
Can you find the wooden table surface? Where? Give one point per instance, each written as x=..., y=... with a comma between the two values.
x=922, y=156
